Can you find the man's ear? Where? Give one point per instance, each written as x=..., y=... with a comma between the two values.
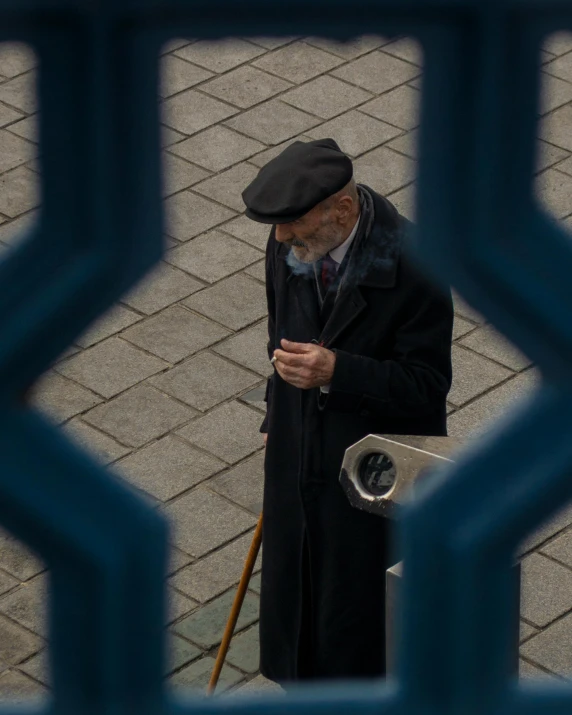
x=345, y=206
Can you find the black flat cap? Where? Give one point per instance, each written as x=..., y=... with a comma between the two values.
x=295, y=181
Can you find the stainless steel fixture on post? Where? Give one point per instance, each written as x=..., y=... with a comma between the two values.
x=379, y=475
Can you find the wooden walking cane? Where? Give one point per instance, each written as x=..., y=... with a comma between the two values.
x=236, y=606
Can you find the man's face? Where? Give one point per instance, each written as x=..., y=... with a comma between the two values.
x=312, y=236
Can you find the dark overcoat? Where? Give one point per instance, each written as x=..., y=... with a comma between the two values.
x=324, y=562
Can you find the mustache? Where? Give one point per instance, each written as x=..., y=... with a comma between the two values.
x=296, y=242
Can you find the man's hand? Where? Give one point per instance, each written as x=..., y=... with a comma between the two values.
x=305, y=365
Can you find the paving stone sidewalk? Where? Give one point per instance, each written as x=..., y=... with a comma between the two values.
x=167, y=388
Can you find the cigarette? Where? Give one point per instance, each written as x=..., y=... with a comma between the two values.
x=273, y=360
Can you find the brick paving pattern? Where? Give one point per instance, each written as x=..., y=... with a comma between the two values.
x=167, y=387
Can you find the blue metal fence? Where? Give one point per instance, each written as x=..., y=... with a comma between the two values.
x=100, y=231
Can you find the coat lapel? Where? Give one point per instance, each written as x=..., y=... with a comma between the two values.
x=346, y=309
x=307, y=301
x=375, y=266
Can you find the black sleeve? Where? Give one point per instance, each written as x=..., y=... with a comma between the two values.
x=271, y=304
x=418, y=375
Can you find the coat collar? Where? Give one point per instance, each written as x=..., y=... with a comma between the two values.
x=374, y=266
x=377, y=262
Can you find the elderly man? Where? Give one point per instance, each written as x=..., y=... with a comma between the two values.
x=361, y=343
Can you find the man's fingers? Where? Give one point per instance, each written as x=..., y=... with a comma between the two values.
x=292, y=359
x=290, y=374
x=295, y=347
x=285, y=371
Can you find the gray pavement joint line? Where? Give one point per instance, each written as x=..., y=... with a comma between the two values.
x=136, y=310
x=26, y=628
x=175, y=435
x=547, y=70
x=555, y=146
x=385, y=121
x=138, y=448
x=396, y=151
x=553, y=111
x=469, y=320
x=196, y=607
x=214, y=344
x=562, y=173
x=211, y=174
x=27, y=212
x=488, y=390
x=320, y=119
x=549, y=539
x=257, y=279
x=180, y=427
x=229, y=500
x=528, y=660
x=227, y=591
x=235, y=364
x=286, y=44
x=403, y=59
x=552, y=167
x=78, y=416
x=165, y=47
x=474, y=329
x=229, y=466
x=28, y=675
x=32, y=70
x=180, y=568
x=7, y=573
x=212, y=228
x=20, y=119
x=74, y=382
x=220, y=228
x=278, y=95
x=204, y=485
x=400, y=187
x=404, y=186
x=105, y=400
x=102, y=432
x=491, y=360
x=241, y=64
x=169, y=364
x=180, y=548
x=550, y=557
x=295, y=85
x=185, y=188
x=218, y=548
x=18, y=585
x=210, y=409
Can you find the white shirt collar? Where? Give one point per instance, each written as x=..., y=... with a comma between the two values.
x=338, y=253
